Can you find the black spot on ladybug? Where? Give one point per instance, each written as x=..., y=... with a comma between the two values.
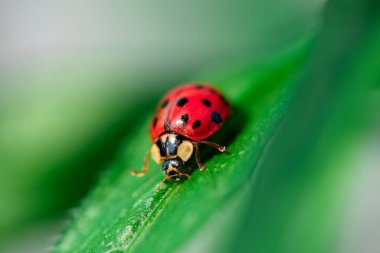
x=165, y=103
x=184, y=119
x=199, y=86
x=206, y=102
x=196, y=124
x=215, y=117
x=213, y=90
x=182, y=101
x=154, y=122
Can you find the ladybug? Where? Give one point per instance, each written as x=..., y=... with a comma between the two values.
x=185, y=117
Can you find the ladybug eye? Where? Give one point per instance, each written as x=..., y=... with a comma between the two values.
x=172, y=173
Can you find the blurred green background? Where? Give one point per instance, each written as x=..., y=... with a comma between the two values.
x=74, y=76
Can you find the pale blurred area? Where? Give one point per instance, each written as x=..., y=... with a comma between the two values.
x=361, y=231
x=71, y=70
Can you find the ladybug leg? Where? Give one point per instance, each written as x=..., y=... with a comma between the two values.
x=158, y=187
x=184, y=174
x=187, y=171
x=214, y=145
x=140, y=173
x=200, y=165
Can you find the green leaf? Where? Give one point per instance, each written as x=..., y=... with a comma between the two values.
x=280, y=186
x=127, y=213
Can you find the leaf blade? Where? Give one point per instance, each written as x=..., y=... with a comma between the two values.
x=109, y=222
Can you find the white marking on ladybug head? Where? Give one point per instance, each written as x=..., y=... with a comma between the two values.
x=155, y=153
x=172, y=137
x=185, y=150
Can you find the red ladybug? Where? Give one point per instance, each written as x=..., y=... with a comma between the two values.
x=185, y=117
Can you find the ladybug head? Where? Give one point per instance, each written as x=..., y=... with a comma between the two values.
x=172, y=168
x=171, y=146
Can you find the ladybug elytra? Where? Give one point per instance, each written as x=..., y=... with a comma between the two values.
x=185, y=117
